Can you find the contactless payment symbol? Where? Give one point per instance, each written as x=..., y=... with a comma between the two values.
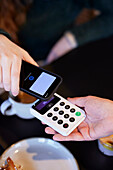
x=31, y=78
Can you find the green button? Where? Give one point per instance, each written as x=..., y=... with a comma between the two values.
x=77, y=113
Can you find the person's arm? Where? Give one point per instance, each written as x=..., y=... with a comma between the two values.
x=98, y=122
x=99, y=27
x=63, y=46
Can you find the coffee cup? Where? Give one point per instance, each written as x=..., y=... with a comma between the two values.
x=106, y=145
x=19, y=105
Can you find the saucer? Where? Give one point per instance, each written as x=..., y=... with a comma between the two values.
x=40, y=154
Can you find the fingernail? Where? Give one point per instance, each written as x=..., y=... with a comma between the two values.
x=7, y=88
x=15, y=93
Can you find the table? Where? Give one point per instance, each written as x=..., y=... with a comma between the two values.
x=87, y=70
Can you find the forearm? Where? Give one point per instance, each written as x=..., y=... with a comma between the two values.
x=100, y=27
x=94, y=25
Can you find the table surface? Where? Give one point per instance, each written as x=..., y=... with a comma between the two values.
x=87, y=70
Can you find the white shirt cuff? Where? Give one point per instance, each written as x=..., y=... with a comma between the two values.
x=71, y=39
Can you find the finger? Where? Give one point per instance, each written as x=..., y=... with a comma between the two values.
x=1, y=81
x=6, y=73
x=0, y=74
x=79, y=101
x=15, y=75
x=43, y=123
x=49, y=130
x=26, y=57
x=74, y=136
x=84, y=130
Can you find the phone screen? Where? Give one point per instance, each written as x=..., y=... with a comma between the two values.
x=37, y=81
x=42, y=83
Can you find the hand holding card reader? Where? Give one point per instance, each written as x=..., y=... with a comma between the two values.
x=58, y=113
x=38, y=82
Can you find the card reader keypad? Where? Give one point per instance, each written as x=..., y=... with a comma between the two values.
x=59, y=114
x=63, y=114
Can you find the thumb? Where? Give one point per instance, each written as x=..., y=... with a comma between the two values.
x=79, y=101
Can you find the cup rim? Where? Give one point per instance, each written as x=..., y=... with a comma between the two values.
x=14, y=101
x=14, y=98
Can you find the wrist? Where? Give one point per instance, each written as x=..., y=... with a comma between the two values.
x=71, y=40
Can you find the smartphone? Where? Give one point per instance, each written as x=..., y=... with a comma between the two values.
x=37, y=81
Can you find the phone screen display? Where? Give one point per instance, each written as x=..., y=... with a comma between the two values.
x=42, y=83
x=37, y=81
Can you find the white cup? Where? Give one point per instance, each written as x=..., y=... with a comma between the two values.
x=105, y=145
x=19, y=105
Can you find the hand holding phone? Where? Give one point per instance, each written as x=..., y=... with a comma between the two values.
x=38, y=82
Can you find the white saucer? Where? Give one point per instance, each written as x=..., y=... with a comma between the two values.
x=40, y=154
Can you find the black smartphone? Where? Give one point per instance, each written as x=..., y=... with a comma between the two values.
x=37, y=81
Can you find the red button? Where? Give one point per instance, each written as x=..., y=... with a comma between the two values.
x=65, y=125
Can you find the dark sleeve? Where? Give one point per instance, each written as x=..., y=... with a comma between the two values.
x=5, y=33
x=99, y=27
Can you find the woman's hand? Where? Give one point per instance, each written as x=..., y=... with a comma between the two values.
x=98, y=122
x=11, y=56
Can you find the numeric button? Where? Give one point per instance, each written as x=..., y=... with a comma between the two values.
x=72, y=119
x=49, y=114
x=67, y=107
x=61, y=112
x=55, y=118
x=60, y=122
x=56, y=109
x=72, y=110
x=62, y=103
x=66, y=116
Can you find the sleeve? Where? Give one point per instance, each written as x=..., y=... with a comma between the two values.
x=5, y=33
x=99, y=27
